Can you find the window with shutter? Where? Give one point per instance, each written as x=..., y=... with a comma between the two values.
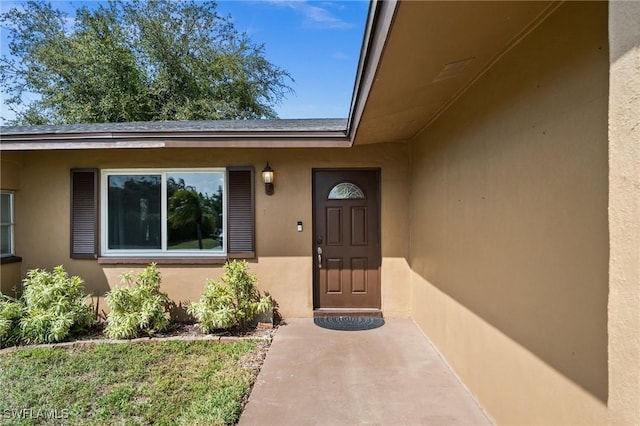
x=169, y=213
x=240, y=216
x=84, y=213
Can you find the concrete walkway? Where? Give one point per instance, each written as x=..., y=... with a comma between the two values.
x=387, y=376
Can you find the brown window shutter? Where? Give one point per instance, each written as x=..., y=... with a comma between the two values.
x=240, y=212
x=84, y=213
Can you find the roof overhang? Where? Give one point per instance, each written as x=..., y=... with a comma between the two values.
x=433, y=53
x=183, y=134
x=379, y=22
x=417, y=58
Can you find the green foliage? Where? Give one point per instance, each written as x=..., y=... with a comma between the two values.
x=159, y=383
x=135, y=60
x=233, y=302
x=10, y=314
x=54, y=306
x=139, y=308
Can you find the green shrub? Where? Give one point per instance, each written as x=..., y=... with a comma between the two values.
x=54, y=306
x=10, y=314
x=139, y=308
x=233, y=302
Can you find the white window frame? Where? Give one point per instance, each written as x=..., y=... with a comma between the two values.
x=162, y=252
x=10, y=224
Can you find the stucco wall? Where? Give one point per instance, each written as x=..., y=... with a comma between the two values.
x=10, y=279
x=284, y=264
x=10, y=165
x=509, y=231
x=624, y=213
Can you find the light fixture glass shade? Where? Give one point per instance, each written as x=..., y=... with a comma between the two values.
x=267, y=174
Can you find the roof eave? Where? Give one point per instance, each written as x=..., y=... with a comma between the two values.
x=376, y=33
x=378, y=25
x=107, y=140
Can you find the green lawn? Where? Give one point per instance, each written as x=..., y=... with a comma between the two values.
x=207, y=244
x=164, y=383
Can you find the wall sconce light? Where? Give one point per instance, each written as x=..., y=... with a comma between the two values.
x=267, y=177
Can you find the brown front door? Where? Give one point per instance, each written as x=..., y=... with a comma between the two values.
x=347, y=238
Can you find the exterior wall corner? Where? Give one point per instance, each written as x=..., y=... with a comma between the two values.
x=624, y=213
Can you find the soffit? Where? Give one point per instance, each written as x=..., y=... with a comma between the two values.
x=424, y=38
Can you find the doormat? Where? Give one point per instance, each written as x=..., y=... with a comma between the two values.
x=349, y=323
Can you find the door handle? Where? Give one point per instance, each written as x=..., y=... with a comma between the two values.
x=319, y=258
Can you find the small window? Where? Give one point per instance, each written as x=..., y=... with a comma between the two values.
x=164, y=212
x=346, y=191
x=6, y=224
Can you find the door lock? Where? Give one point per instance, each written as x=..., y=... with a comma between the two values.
x=319, y=257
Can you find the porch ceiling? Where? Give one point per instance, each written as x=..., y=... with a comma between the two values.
x=413, y=83
x=429, y=53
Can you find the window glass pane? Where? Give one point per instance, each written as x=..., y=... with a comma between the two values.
x=134, y=219
x=194, y=211
x=5, y=240
x=346, y=191
x=5, y=208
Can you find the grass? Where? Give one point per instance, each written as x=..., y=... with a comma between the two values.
x=163, y=383
x=207, y=243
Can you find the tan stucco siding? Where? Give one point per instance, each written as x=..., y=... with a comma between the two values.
x=10, y=169
x=624, y=213
x=10, y=163
x=509, y=234
x=284, y=264
x=10, y=279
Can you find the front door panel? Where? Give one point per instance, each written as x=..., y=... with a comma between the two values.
x=347, y=239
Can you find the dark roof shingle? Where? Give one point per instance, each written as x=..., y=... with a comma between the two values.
x=211, y=126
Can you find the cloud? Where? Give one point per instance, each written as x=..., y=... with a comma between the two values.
x=315, y=16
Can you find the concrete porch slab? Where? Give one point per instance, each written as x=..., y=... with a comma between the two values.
x=391, y=375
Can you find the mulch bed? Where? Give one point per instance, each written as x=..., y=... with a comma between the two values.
x=175, y=331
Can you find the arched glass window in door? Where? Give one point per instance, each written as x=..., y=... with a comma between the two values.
x=346, y=191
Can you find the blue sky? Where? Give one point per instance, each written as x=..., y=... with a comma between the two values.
x=317, y=42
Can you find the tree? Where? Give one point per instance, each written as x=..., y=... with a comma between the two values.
x=187, y=206
x=135, y=60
